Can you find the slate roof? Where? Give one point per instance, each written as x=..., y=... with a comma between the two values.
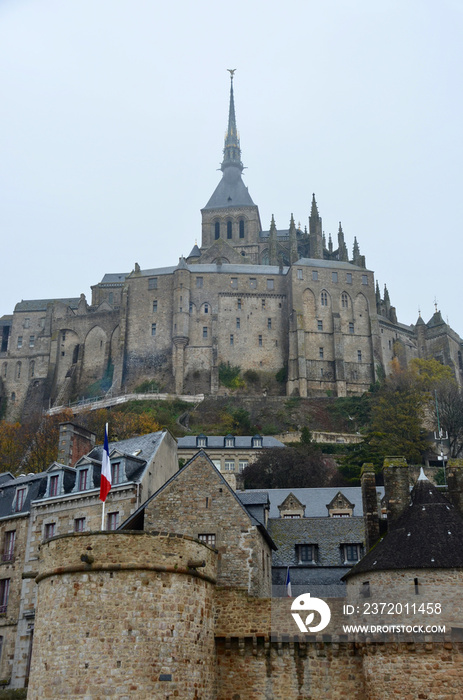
x=230, y=192
x=143, y=447
x=35, y=486
x=341, y=265
x=315, y=499
x=428, y=535
x=327, y=533
x=41, y=304
x=218, y=442
x=251, y=498
x=114, y=278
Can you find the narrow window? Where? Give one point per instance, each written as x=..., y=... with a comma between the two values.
x=417, y=586
x=238, y=303
x=20, y=498
x=204, y=331
x=155, y=306
x=366, y=589
x=238, y=322
x=315, y=275
x=231, y=338
x=83, y=479
x=18, y=370
x=49, y=531
x=324, y=298
x=54, y=480
x=27, y=322
x=229, y=229
x=20, y=341
x=364, y=279
x=241, y=228
x=217, y=230
x=4, y=591
x=32, y=368
x=111, y=298
x=263, y=303
x=8, y=545
x=351, y=327
x=79, y=524
x=344, y=300
x=115, y=473
x=334, y=276
x=319, y=325
x=113, y=521
x=320, y=353
x=269, y=324
x=260, y=341
x=359, y=355
x=349, y=278
x=299, y=274
x=5, y=368
x=152, y=282
x=153, y=329
x=31, y=341
x=207, y=539
x=199, y=282
x=206, y=308
x=270, y=284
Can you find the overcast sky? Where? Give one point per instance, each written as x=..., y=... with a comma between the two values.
x=113, y=113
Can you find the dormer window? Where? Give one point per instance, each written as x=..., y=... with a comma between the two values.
x=54, y=485
x=201, y=441
x=19, y=499
x=306, y=553
x=350, y=553
x=116, y=473
x=256, y=441
x=83, y=481
x=229, y=441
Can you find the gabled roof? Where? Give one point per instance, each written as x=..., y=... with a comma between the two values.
x=291, y=501
x=190, y=465
x=428, y=535
x=42, y=304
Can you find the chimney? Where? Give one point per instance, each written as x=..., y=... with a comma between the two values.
x=74, y=443
x=455, y=482
x=396, y=486
x=370, y=505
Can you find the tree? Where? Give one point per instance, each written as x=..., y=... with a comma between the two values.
x=291, y=467
x=14, y=439
x=428, y=374
x=449, y=398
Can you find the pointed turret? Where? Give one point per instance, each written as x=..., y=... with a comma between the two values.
x=315, y=232
x=230, y=213
x=231, y=190
x=378, y=298
x=293, y=241
x=342, y=248
x=330, y=244
x=387, y=300
x=272, y=252
x=232, y=150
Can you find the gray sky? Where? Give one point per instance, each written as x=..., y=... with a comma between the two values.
x=113, y=113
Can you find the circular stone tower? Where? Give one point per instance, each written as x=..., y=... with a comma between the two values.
x=123, y=615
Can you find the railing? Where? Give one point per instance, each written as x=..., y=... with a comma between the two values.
x=105, y=401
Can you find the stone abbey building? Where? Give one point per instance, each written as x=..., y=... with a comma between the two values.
x=266, y=300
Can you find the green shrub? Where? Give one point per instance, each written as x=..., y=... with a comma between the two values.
x=230, y=376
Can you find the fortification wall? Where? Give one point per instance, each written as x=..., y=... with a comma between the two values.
x=122, y=615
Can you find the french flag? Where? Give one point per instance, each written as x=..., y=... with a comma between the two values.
x=105, y=483
x=288, y=584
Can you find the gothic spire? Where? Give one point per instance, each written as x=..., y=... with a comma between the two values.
x=273, y=243
x=293, y=241
x=232, y=150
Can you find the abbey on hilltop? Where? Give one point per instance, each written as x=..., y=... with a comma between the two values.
x=273, y=301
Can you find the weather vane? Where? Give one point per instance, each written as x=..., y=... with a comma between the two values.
x=231, y=71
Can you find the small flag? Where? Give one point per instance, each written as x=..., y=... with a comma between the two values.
x=105, y=483
x=288, y=584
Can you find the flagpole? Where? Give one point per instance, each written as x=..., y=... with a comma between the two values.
x=102, y=517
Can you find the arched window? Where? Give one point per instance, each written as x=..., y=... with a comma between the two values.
x=344, y=300
x=324, y=298
x=111, y=297
x=229, y=229
x=217, y=230
x=241, y=228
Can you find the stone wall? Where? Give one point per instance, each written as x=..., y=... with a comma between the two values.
x=122, y=615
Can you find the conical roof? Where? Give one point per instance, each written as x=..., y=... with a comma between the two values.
x=428, y=535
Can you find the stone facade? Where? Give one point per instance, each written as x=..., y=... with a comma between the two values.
x=281, y=299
